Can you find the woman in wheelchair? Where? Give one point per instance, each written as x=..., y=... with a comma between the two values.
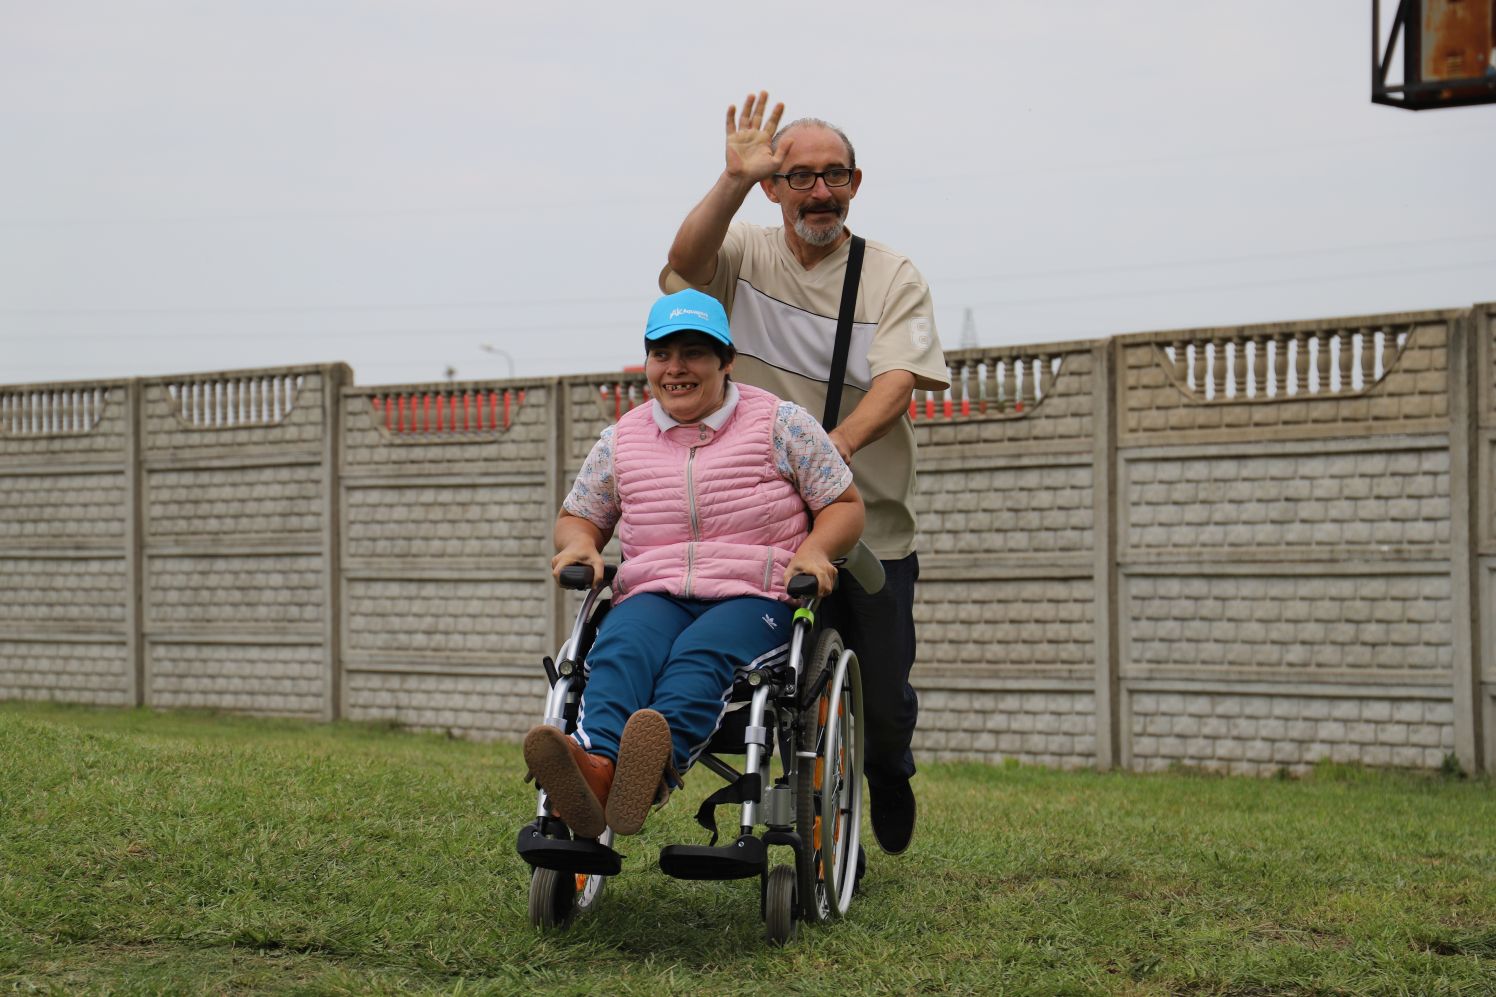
x=719, y=494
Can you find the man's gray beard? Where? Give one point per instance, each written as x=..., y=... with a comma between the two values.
x=819, y=236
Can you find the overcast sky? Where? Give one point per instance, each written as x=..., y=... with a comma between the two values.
x=192, y=186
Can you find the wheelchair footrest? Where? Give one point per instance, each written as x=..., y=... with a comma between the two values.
x=580, y=855
x=743, y=858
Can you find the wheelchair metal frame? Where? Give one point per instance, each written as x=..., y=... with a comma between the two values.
x=569, y=874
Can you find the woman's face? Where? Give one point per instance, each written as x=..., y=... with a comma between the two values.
x=686, y=377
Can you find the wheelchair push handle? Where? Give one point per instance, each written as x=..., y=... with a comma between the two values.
x=579, y=576
x=860, y=562
x=805, y=586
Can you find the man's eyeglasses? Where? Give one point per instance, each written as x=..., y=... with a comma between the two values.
x=804, y=179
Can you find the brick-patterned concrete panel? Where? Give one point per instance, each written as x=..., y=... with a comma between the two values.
x=1237, y=624
x=1414, y=390
x=480, y=707
x=250, y=590
x=1486, y=472
x=1487, y=318
x=168, y=430
x=590, y=411
x=1485, y=609
x=465, y=521
x=283, y=680
x=502, y=619
x=1005, y=627
x=1259, y=735
x=104, y=440
x=234, y=502
x=1368, y=499
x=521, y=448
x=1486, y=333
x=1056, y=729
x=70, y=672
x=81, y=508
x=71, y=592
x=1014, y=510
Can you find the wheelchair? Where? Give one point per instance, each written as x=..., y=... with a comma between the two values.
x=807, y=711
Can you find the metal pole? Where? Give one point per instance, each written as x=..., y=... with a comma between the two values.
x=503, y=353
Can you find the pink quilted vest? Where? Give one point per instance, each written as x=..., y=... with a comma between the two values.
x=705, y=516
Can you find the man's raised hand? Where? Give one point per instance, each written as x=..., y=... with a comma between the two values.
x=748, y=135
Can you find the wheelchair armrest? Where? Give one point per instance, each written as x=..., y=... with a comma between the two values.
x=579, y=576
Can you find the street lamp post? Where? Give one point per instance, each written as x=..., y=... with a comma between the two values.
x=486, y=348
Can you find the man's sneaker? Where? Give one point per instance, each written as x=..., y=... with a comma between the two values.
x=892, y=809
x=644, y=752
x=577, y=784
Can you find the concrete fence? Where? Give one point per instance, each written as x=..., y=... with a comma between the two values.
x=1247, y=548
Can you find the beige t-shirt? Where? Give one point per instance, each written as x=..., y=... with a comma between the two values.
x=784, y=327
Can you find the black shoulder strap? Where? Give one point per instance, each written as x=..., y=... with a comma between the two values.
x=843, y=334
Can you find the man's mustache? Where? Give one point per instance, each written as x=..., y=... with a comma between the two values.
x=832, y=207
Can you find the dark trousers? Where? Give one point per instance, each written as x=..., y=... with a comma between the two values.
x=880, y=628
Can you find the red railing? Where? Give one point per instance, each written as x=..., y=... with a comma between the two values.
x=447, y=411
x=621, y=396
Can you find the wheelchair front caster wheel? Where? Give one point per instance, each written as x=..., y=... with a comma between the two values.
x=780, y=906
x=552, y=899
x=556, y=898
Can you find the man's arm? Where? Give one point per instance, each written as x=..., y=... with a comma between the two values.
x=907, y=351
x=879, y=411
x=693, y=254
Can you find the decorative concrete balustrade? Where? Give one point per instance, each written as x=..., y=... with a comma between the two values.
x=52, y=411
x=998, y=383
x=1245, y=548
x=208, y=402
x=1269, y=366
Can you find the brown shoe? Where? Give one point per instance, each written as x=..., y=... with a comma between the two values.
x=643, y=754
x=576, y=783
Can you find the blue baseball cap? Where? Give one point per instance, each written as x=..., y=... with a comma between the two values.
x=687, y=311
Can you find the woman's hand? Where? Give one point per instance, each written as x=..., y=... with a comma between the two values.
x=811, y=561
x=579, y=552
x=578, y=541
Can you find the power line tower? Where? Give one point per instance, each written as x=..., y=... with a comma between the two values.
x=969, y=332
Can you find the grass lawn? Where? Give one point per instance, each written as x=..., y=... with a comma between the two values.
x=187, y=853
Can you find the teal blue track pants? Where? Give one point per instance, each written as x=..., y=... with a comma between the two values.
x=677, y=656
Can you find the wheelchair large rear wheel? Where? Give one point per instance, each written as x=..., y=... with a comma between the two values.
x=828, y=790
